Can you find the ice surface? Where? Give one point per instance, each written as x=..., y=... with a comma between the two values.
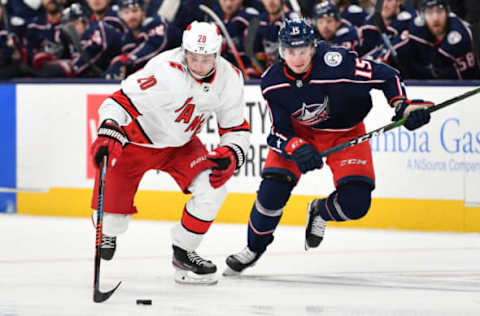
x=46, y=268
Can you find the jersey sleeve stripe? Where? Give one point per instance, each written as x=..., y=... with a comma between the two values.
x=121, y=98
x=275, y=87
x=345, y=80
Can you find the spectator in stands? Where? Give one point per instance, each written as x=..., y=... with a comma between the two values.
x=333, y=29
x=396, y=18
x=438, y=45
x=266, y=37
x=146, y=38
x=102, y=12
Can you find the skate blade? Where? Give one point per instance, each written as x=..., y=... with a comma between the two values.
x=188, y=277
x=229, y=272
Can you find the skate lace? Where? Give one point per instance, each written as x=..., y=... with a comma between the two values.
x=318, y=226
x=108, y=242
x=246, y=255
x=196, y=259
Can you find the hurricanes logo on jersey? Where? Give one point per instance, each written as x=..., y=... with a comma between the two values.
x=311, y=114
x=186, y=113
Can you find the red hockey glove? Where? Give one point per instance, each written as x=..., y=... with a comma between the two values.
x=110, y=142
x=414, y=111
x=305, y=155
x=226, y=162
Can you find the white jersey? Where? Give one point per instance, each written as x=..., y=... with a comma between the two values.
x=163, y=105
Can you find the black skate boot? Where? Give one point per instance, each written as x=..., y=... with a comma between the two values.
x=238, y=262
x=315, y=225
x=109, y=244
x=191, y=268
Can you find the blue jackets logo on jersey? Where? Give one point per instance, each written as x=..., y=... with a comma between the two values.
x=311, y=114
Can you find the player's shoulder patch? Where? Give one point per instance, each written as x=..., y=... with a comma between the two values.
x=419, y=21
x=404, y=16
x=332, y=58
x=353, y=8
x=454, y=37
x=342, y=31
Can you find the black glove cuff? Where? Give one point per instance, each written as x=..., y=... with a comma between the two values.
x=111, y=129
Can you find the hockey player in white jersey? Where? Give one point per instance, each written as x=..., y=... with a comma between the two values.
x=152, y=122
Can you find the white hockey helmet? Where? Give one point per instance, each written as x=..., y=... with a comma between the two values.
x=202, y=38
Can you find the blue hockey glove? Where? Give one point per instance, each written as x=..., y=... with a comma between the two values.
x=305, y=155
x=414, y=111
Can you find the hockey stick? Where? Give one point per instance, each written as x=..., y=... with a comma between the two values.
x=250, y=42
x=378, y=20
x=230, y=43
x=71, y=33
x=98, y=296
x=392, y=125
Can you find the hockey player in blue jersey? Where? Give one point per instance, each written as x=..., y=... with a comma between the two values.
x=396, y=18
x=102, y=11
x=438, y=45
x=270, y=22
x=45, y=41
x=333, y=29
x=147, y=37
x=99, y=44
x=318, y=98
x=236, y=18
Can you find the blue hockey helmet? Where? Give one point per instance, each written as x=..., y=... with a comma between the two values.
x=130, y=3
x=74, y=12
x=295, y=34
x=434, y=3
x=326, y=8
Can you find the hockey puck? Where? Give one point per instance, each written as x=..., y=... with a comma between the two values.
x=144, y=302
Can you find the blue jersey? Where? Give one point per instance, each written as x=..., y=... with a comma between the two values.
x=45, y=37
x=372, y=42
x=101, y=43
x=334, y=94
x=449, y=58
x=112, y=18
x=266, y=39
x=354, y=14
x=345, y=36
x=156, y=35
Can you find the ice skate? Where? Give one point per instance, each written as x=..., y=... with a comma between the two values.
x=315, y=226
x=109, y=245
x=238, y=262
x=190, y=268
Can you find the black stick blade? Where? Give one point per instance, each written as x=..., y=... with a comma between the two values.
x=99, y=297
